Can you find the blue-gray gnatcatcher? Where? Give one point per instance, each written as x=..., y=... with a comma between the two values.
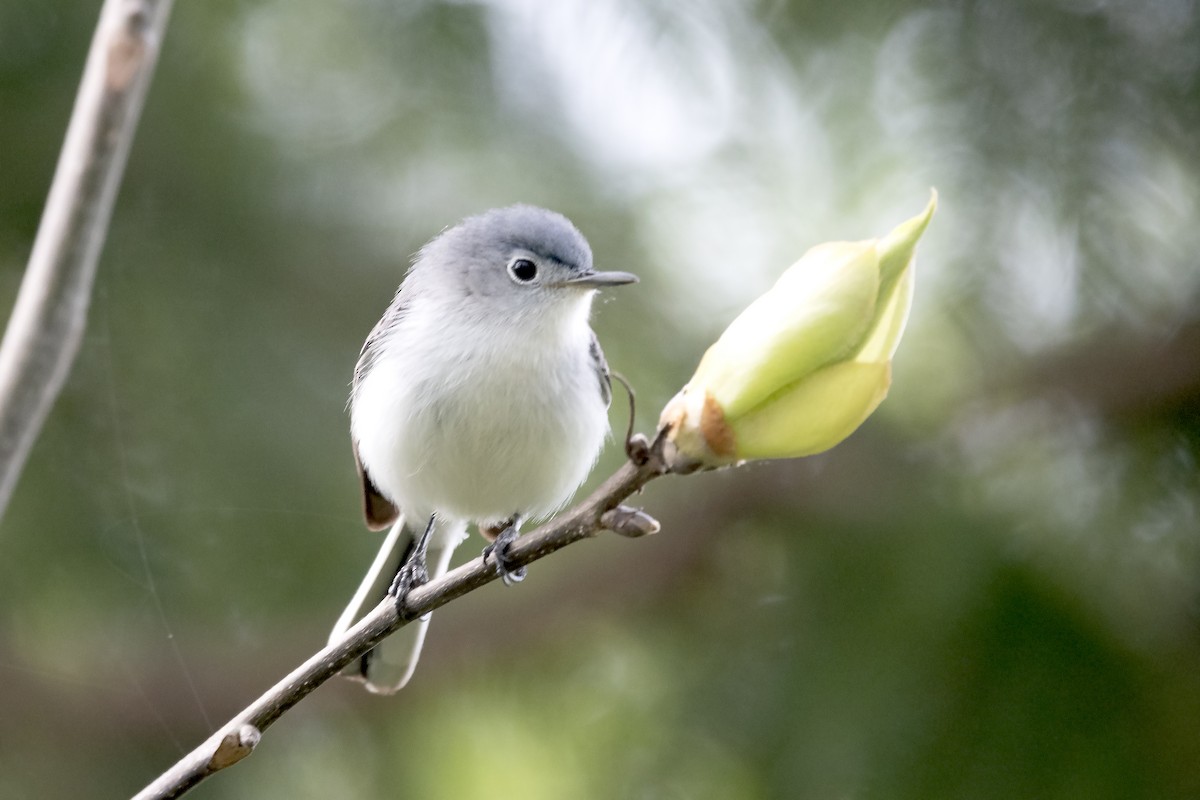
x=481, y=396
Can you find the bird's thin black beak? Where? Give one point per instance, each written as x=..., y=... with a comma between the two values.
x=596, y=280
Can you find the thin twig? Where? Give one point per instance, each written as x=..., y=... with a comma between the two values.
x=238, y=737
x=50, y=314
x=632, y=395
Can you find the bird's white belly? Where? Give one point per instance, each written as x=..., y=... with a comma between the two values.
x=481, y=444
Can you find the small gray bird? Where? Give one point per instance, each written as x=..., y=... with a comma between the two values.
x=481, y=396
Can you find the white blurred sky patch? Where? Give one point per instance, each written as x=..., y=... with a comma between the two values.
x=310, y=86
x=691, y=112
x=643, y=92
x=1037, y=280
x=1150, y=200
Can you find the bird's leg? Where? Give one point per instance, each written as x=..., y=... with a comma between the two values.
x=502, y=537
x=413, y=572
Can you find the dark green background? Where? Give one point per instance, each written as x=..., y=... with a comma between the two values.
x=990, y=591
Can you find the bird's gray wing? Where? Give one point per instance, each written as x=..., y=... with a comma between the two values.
x=378, y=336
x=601, y=368
x=379, y=511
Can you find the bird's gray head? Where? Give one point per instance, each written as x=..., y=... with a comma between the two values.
x=511, y=259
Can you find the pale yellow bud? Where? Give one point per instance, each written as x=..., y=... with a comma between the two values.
x=806, y=363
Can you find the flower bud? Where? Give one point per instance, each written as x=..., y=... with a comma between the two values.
x=806, y=363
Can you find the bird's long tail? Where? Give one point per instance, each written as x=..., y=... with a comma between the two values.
x=388, y=667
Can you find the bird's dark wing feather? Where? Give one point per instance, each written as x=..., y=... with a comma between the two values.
x=378, y=511
x=601, y=367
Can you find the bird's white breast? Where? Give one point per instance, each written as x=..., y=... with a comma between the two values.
x=481, y=419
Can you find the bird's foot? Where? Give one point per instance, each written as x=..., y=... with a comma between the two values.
x=414, y=571
x=509, y=572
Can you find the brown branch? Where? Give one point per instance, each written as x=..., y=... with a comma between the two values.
x=1121, y=374
x=601, y=511
x=50, y=314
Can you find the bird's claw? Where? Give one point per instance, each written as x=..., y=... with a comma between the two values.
x=413, y=572
x=509, y=572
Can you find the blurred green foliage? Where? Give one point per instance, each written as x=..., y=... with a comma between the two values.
x=989, y=591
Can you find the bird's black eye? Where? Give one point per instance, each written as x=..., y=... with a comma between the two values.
x=522, y=270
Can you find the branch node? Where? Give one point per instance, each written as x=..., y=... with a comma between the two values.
x=629, y=521
x=637, y=448
x=234, y=747
x=127, y=52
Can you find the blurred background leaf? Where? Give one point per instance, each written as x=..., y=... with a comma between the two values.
x=991, y=590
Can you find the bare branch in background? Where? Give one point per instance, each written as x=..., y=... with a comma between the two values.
x=601, y=511
x=50, y=314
